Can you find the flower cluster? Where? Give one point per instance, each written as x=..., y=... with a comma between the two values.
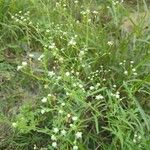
x=22, y=17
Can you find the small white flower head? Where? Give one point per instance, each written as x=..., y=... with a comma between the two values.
x=43, y=111
x=104, y=79
x=46, y=86
x=91, y=87
x=19, y=68
x=135, y=135
x=53, y=138
x=76, y=2
x=14, y=124
x=72, y=42
x=81, y=53
x=74, y=118
x=135, y=73
x=60, y=111
x=40, y=58
x=114, y=86
x=98, y=97
x=63, y=132
x=67, y=93
x=139, y=137
x=44, y=100
x=54, y=144
x=98, y=84
x=120, y=63
x=110, y=43
x=49, y=95
x=67, y=74
x=68, y=115
x=31, y=55
x=80, y=86
x=63, y=104
x=117, y=95
x=126, y=72
x=134, y=140
x=71, y=125
x=12, y=17
x=35, y=147
x=52, y=46
x=77, y=73
x=133, y=69
x=74, y=84
x=51, y=73
x=132, y=62
x=75, y=147
x=78, y=135
x=95, y=12
x=24, y=63
x=56, y=130
x=47, y=30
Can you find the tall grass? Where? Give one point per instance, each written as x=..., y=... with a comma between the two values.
x=74, y=76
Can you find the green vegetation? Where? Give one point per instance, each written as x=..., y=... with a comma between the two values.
x=74, y=75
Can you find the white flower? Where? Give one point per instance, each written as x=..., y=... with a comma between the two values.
x=117, y=96
x=40, y=58
x=131, y=62
x=43, y=111
x=60, y=111
x=44, y=100
x=19, y=68
x=126, y=72
x=67, y=74
x=114, y=86
x=74, y=118
x=46, y=86
x=81, y=53
x=76, y=2
x=77, y=73
x=110, y=43
x=51, y=73
x=78, y=135
x=75, y=147
x=63, y=132
x=31, y=55
x=80, y=86
x=68, y=115
x=134, y=140
x=56, y=130
x=139, y=137
x=24, y=63
x=133, y=69
x=120, y=63
x=49, y=95
x=98, y=84
x=53, y=138
x=71, y=125
x=14, y=124
x=72, y=42
x=91, y=87
x=98, y=97
x=104, y=79
x=62, y=104
x=54, y=144
x=135, y=73
x=52, y=46
x=95, y=12
x=35, y=147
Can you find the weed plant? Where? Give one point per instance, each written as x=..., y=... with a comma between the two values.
x=72, y=77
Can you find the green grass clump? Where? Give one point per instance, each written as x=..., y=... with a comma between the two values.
x=74, y=75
